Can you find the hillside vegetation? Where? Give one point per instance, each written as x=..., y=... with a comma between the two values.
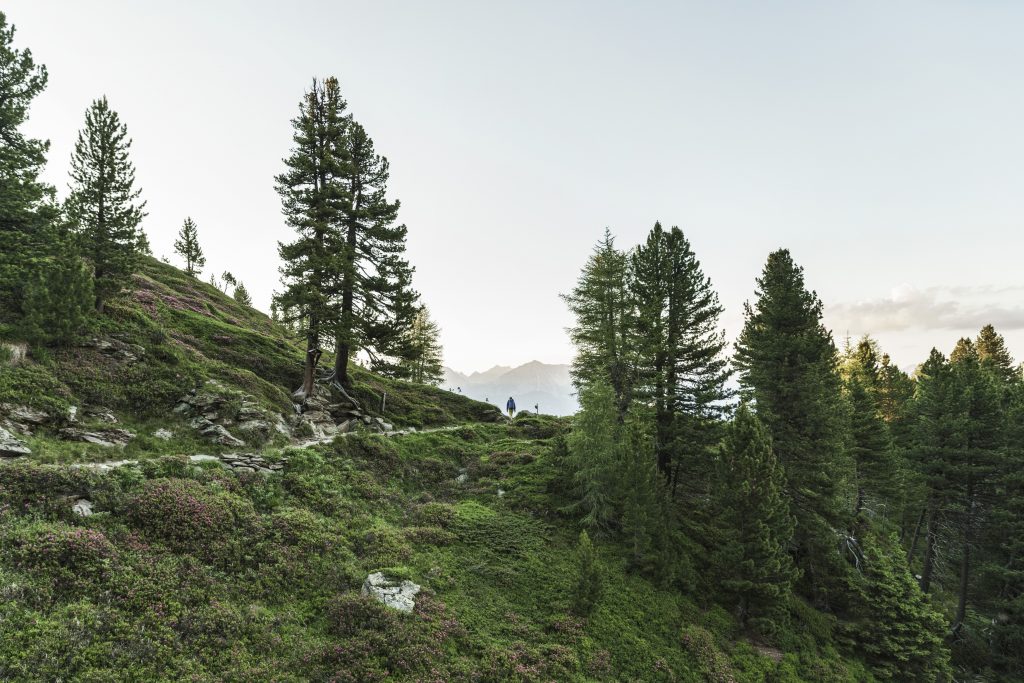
x=189, y=571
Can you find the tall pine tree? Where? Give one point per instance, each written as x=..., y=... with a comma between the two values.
x=422, y=360
x=755, y=525
x=24, y=200
x=788, y=367
x=681, y=364
x=377, y=302
x=104, y=203
x=313, y=199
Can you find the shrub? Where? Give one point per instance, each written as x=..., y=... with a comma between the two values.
x=71, y=557
x=187, y=516
x=589, y=577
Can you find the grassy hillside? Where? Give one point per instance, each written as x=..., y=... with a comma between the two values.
x=189, y=571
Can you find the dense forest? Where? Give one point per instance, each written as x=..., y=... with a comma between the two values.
x=785, y=508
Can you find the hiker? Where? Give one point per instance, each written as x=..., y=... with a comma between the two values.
x=536, y=408
x=510, y=407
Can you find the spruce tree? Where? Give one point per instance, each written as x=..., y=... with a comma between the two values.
x=58, y=299
x=422, y=354
x=187, y=246
x=788, y=368
x=375, y=294
x=25, y=210
x=755, y=525
x=681, y=365
x=103, y=202
x=313, y=198
x=601, y=334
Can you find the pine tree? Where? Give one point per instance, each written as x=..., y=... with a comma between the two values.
x=600, y=304
x=313, y=198
x=682, y=369
x=422, y=355
x=788, y=367
x=103, y=202
x=755, y=525
x=241, y=295
x=59, y=299
x=377, y=302
x=187, y=246
x=25, y=212
x=892, y=620
x=594, y=449
x=993, y=354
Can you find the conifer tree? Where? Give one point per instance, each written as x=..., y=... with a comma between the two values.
x=755, y=524
x=681, y=366
x=994, y=355
x=313, y=197
x=187, y=246
x=893, y=622
x=58, y=299
x=601, y=334
x=241, y=295
x=376, y=298
x=788, y=367
x=589, y=581
x=24, y=201
x=422, y=355
x=103, y=202
x=594, y=448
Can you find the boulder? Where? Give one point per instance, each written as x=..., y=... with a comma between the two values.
x=219, y=434
x=82, y=507
x=392, y=593
x=12, y=447
x=165, y=434
x=100, y=415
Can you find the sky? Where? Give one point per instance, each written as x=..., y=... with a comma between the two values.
x=880, y=142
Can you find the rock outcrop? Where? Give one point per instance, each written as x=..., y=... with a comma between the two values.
x=392, y=593
x=229, y=417
x=11, y=446
x=101, y=437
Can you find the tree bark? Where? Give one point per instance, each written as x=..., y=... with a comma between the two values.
x=917, y=534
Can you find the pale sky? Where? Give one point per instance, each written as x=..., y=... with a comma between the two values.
x=882, y=142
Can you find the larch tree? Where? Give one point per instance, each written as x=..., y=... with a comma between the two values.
x=103, y=202
x=601, y=306
x=755, y=527
x=187, y=246
x=680, y=353
x=313, y=199
x=788, y=368
x=25, y=201
x=422, y=355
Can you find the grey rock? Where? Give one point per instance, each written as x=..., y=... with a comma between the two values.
x=82, y=507
x=165, y=434
x=11, y=446
x=100, y=415
x=102, y=437
x=392, y=593
x=218, y=434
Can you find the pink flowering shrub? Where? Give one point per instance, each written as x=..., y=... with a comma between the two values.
x=187, y=516
x=71, y=557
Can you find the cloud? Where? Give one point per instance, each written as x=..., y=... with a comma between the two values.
x=934, y=308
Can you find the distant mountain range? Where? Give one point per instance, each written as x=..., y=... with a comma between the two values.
x=533, y=384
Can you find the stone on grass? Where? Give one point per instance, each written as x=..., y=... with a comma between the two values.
x=392, y=593
x=11, y=446
x=82, y=507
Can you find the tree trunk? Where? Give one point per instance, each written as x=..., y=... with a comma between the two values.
x=929, y=551
x=312, y=357
x=965, y=561
x=913, y=540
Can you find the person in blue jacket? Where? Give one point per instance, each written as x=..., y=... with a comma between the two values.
x=510, y=407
